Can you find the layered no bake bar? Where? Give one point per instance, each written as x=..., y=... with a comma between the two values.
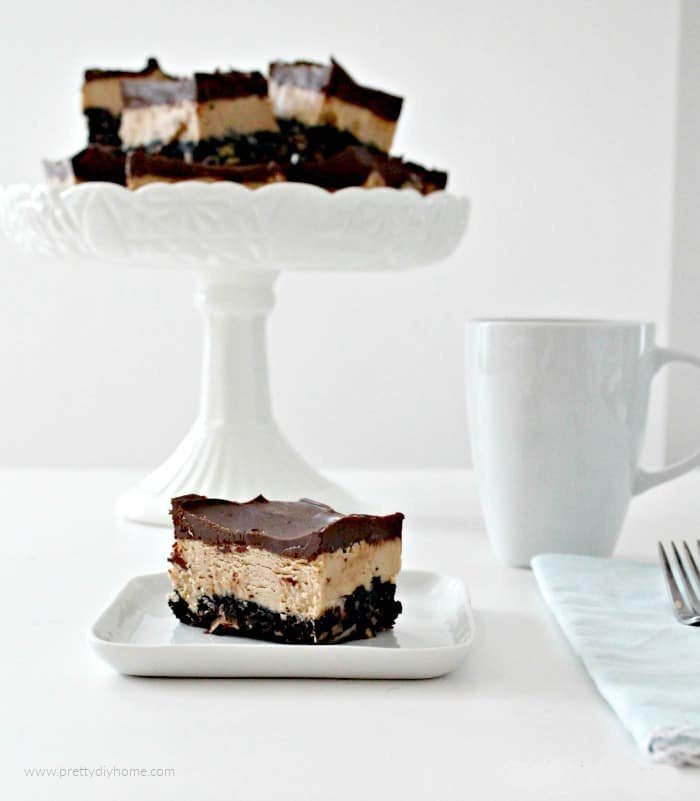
x=102, y=99
x=310, y=122
x=322, y=99
x=292, y=572
x=219, y=114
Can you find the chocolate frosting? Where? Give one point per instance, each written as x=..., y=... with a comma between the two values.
x=354, y=165
x=95, y=74
x=334, y=81
x=140, y=163
x=94, y=163
x=342, y=86
x=215, y=85
x=300, y=529
x=351, y=167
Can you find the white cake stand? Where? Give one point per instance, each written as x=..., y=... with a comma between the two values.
x=235, y=241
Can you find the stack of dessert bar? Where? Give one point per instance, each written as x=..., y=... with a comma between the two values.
x=306, y=122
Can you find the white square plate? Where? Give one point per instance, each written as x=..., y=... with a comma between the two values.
x=138, y=635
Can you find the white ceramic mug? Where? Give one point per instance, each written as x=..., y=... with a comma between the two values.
x=557, y=412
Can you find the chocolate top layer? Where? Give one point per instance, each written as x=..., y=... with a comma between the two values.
x=354, y=165
x=215, y=85
x=301, y=529
x=140, y=163
x=95, y=74
x=202, y=88
x=342, y=86
x=94, y=163
x=334, y=81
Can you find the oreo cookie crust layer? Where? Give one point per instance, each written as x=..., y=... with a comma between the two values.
x=290, y=572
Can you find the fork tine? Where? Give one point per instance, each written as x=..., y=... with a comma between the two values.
x=687, y=586
x=679, y=605
x=693, y=565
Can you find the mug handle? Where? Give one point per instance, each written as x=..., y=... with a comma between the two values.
x=646, y=479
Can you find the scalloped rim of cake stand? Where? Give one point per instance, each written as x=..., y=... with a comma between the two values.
x=208, y=226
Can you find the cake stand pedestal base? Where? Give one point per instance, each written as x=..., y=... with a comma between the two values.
x=234, y=450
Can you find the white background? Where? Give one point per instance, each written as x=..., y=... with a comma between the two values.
x=556, y=118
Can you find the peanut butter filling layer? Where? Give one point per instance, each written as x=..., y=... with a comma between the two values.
x=305, y=588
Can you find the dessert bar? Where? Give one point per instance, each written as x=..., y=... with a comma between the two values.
x=206, y=115
x=325, y=96
x=291, y=572
x=102, y=99
x=309, y=123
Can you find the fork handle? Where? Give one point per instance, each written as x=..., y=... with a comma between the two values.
x=646, y=479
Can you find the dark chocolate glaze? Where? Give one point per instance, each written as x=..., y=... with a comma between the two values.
x=301, y=529
x=355, y=164
x=95, y=74
x=350, y=167
x=334, y=81
x=204, y=87
x=342, y=86
x=95, y=163
x=140, y=163
x=215, y=85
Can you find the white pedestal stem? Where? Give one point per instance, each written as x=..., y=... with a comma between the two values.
x=234, y=449
x=235, y=385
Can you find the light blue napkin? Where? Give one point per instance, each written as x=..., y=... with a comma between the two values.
x=618, y=618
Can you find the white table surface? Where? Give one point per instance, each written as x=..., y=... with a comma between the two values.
x=519, y=720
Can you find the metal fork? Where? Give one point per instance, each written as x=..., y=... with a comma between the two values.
x=685, y=601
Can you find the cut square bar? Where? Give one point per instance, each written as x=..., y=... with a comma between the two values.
x=291, y=572
x=102, y=99
x=324, y=95
x=218, y=115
